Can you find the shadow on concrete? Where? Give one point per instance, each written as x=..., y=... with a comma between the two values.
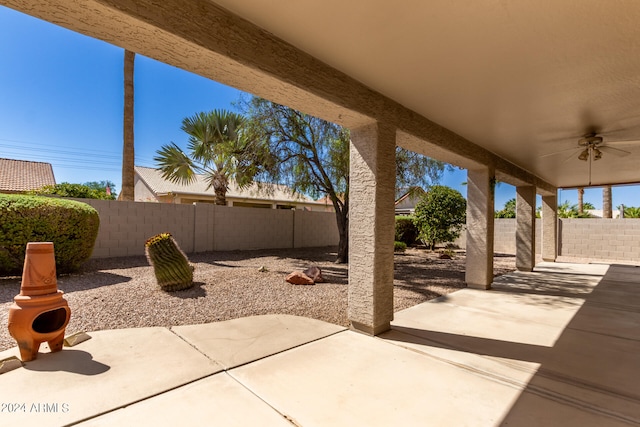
x=68, y=360
x=569, y=285
x=595, y=363
x=590, y=375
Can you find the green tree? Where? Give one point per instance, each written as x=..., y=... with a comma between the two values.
x=417, y=172
x=306, y=153
x=440, y=215
x=566, y=210
x=631, y=211
x=107, y=187
x=78, y=191
x=311, y=156
x=508, y=211
x=218, y=148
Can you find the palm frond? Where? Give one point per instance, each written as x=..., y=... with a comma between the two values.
x=175, y=165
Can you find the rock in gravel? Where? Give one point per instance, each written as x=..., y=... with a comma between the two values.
x=314, y=273
x=299, y=278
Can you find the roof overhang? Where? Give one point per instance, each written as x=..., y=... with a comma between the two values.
x=477, y=84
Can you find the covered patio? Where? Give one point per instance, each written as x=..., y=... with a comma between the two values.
x=496, y=88
x=556, y=346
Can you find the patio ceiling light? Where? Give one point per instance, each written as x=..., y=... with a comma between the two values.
x=585, y=155
x=597, y=154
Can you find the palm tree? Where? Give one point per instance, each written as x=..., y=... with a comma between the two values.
x=218, y=148
x=606, y=202
x=580, y=200
x=127, y=148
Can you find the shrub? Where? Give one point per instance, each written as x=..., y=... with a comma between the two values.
x=170, y=265
x=78, y=191
x=399, y=246
x=71, y=226
x=440, y=215
x=631, y=212
x=406, y=230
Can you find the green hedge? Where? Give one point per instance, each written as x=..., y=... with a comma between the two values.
x=406, y=230
x=71, y=226
x=399, y=246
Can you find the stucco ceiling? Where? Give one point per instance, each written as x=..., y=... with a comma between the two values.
x=521, y=79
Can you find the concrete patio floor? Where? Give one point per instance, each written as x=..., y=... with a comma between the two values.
x=558, y=346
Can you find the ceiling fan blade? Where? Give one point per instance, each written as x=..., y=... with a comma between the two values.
x=618, y=142
x=573, y=155
x=558, y=152
x=615, y=151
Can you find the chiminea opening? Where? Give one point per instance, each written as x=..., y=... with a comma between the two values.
x=49, y=321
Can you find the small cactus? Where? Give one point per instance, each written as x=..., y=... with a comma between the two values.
x=170, y=265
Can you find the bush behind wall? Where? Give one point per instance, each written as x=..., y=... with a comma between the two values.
x=406, y=230
x=71, y=226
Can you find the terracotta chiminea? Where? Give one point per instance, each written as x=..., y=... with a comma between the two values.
x=39, y=313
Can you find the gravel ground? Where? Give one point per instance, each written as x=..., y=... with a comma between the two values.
x=122, y=292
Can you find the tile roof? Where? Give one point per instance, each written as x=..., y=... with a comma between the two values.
x=24, y=175
x=414, y=192
x=154, y=180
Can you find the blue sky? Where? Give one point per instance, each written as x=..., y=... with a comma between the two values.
x=61, y=102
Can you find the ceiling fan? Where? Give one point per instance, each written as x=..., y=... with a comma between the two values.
x=591, y=147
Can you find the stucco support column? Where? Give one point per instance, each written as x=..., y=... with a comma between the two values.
x=371, y=227
x=525, y=228
x=549, y=228
x=480, y=200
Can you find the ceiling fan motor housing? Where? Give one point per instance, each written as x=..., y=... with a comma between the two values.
x=590, y=140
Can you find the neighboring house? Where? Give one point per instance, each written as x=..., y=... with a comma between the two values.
x=408, y=199
x=327, y=203
x=599, y=213
x=150, y=186
x=20, y=176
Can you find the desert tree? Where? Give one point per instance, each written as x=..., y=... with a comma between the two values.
x=311, y=156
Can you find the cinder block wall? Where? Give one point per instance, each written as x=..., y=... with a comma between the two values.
x=583, y=238
x=600, y=238
x=505, y=236
x=252, y=228
x=315, y=229
x=125, y=226
x=504, y=240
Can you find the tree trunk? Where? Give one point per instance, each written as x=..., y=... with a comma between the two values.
x=221, y=198
x=606, y=202
x=580, y=200
x=128, y=157
x=220, y=185
x=343, y=231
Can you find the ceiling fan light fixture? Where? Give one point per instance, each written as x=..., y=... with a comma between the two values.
x=585, y=155
x=597, y=154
